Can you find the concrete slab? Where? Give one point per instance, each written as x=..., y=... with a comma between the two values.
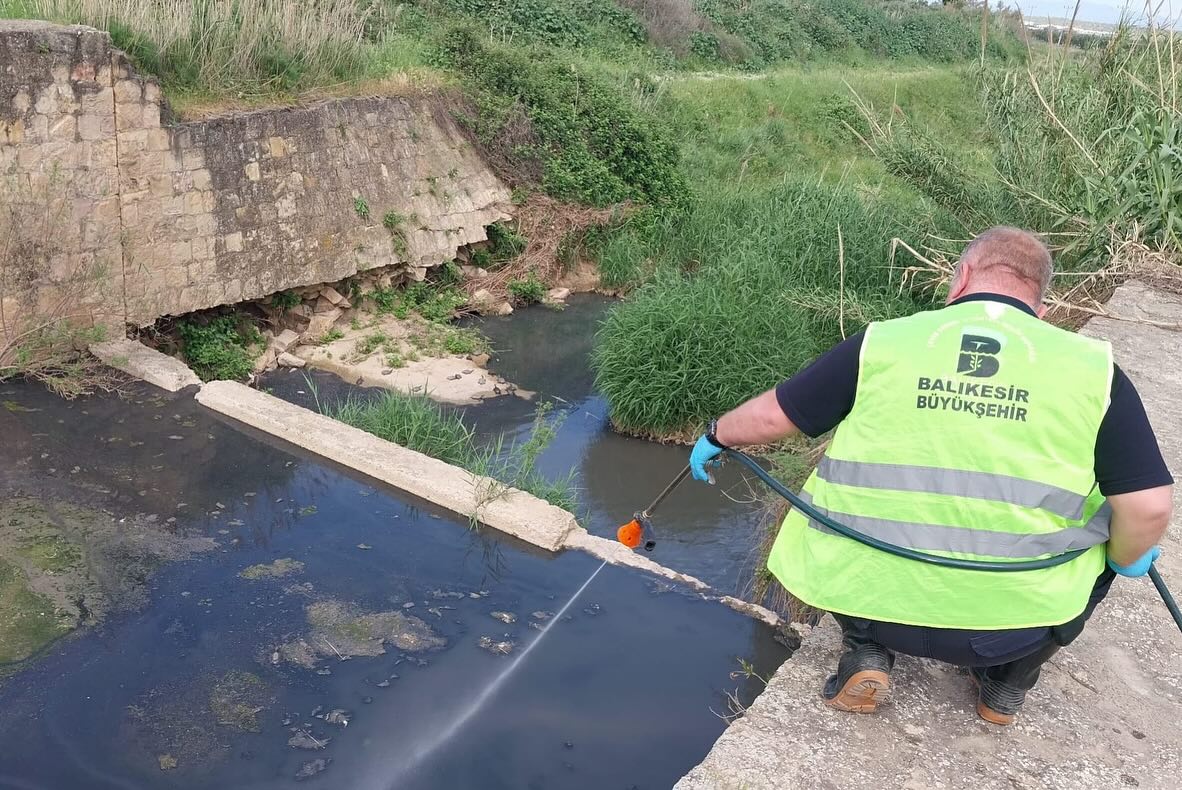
x=514, y=512
x=1104, y=715
x=148, y=364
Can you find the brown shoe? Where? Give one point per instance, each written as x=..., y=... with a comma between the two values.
x=997, y=703
x=861, y=693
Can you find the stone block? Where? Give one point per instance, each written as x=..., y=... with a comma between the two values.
x=128, y=117
x=128, y=91
x=159, y=140
x=286, y=360
x=194, y=159
x=232, y=242
x=252, y=171
x=202, y=180
x=278, y=147
x=64, y=128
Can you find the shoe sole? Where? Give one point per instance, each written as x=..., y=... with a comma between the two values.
x=863, y=692
x=987, y=713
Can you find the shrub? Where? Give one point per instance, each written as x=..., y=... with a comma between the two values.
x=221, y=348
x=528, y=290
x=592, y=145
x=748, y=291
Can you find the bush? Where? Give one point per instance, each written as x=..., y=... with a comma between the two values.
x=220, y=348
x=748, y=292
x=592, y=145
x=528, y=290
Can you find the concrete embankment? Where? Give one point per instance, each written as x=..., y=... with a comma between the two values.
x=1104, y=714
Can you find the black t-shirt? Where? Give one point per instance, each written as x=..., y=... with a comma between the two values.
x=1127, y=456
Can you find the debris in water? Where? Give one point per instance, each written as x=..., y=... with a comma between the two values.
x=364, y=546
x=445, y=594
x=312, y=767
x=366, y=700
x=592, y=610
x=408, y=605
x=279, y=568
x=543, y=616
x=435, y=611
x=497, y=648
x=385, y=684
x=568, y=744
x=167, y=762
x=338, y=716
x=537, y=626
x=237, y=699
x=508, y=618
x=305, y=740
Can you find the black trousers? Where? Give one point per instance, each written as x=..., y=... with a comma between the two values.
x=1014, y=656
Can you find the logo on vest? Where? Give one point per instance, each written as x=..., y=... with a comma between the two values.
x=978, y=356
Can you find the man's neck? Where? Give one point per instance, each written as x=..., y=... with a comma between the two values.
x=988, y=295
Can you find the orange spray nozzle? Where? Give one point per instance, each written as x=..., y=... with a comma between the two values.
x=630, y=534
x=636, y=533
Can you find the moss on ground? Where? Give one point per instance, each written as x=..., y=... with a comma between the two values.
x=28, y=621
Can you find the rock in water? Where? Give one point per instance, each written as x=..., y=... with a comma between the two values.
x=508, y=618
x=167, y=762
x=312, y=768
x=502, y=648
x=338, y=716
x=305, y=740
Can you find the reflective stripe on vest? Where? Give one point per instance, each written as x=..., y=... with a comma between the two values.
x=961, y=540
x=954, y=482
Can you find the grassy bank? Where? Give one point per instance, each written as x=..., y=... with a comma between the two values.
x=421, y=424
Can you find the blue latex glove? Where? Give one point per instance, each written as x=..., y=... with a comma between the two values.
x=705, y=452
x=1140, y=567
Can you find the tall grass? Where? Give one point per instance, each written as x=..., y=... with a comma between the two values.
x=417, y=422
x=215, y=45
x=750, y=289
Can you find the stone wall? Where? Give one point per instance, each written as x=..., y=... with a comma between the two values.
x=153, y=219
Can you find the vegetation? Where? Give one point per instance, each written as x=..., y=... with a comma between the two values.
x=221, y=348
x=527, y=290
x=417, y=422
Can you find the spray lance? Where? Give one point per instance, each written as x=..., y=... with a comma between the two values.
x=639, y=530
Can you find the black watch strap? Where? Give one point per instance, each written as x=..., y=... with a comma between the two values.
x=712, y=436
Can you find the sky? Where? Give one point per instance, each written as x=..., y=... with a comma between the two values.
x=1089, y=10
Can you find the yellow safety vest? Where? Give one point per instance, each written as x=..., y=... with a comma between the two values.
x=972, y=435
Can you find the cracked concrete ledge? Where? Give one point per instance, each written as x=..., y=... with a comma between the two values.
x=135, y=359
x=515, y=512
x=616, y=553
x=1104, y=714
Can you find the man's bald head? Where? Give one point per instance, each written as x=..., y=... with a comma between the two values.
x=1004, y=260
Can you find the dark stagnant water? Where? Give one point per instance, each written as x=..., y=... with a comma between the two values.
x=709, y=532
x=621, y=695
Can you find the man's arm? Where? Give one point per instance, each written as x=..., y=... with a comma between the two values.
x=1132, y=475
x=1139, y=520
x=758, y=421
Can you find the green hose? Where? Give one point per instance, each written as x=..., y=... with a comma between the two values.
x=934, y=559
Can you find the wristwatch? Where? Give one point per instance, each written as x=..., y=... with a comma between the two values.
x=712, y=435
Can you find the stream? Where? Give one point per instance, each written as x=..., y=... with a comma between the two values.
x=375, y=620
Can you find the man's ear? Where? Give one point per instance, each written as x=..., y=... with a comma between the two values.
x=960, y=280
